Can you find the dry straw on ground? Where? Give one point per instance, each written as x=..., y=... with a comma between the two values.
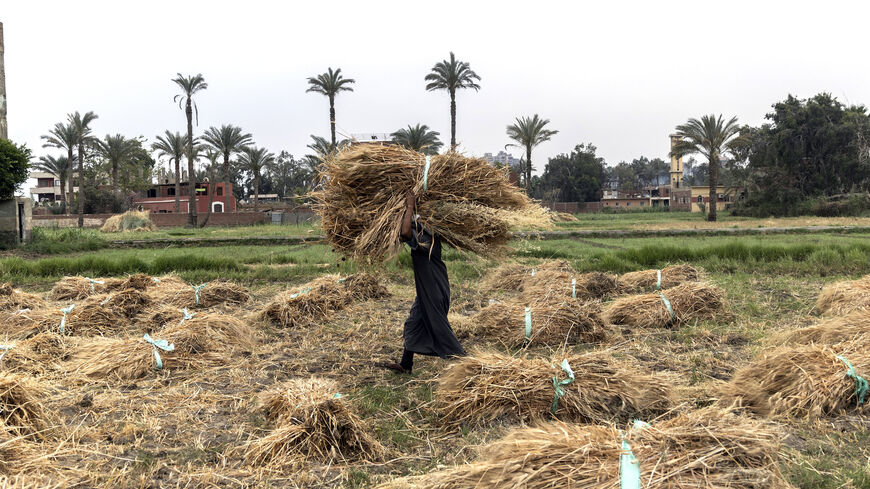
x=210, y=294
x=21, y=409
x=312, y=421
x=801, y=381
x=129, y=221
x=558, y=283
x=75, y=288
x=362, y=200
x=486, y=387
x=24, y=324
x=510, y=276
x=646, y=280
x=37, y=354
x=15, y=300
x=554, y=321
x=127, y=302
x=707, y=448
x=689, y=302
x=845, y=296
x=832, y=330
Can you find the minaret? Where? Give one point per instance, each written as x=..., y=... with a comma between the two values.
x=4, y=130
x=676, y=164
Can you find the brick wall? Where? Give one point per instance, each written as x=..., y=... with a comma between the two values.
x=160, y=220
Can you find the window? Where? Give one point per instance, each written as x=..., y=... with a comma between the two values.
x=700, y=199
x=641, y=204
x=219, y=191
x=616, y=204
x=628, y=204
x=152, y=193
x=217, y=207
x=170, y=191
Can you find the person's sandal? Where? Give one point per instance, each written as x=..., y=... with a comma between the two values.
x=394, y=366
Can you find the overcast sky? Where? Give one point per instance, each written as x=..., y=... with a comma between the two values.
x=619, y=75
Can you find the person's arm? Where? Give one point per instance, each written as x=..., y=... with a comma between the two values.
x=410, y=202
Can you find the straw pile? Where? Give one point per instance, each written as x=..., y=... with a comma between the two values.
x=555, y=321
x=557, y=283
x=511, y=276
x=489, y=386
x=94, y=319
x=831, y=330
x=37, y=354
x=803, y=381
x=156, y=316
x=707, y=448
x=21, y=409
x=689, y=301
x=362, y=200
x=645, y=280
x=138, y=281
x=212, y=294
x=312, y=421
x=127, y=302
x=14, y=300
x=363, y=286
x=24, y=323
x=129, y=221
x=845, y=296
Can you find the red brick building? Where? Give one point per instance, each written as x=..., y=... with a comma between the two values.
x=161, y=198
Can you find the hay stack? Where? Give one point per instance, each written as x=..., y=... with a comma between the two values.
x=127, y=302
x=707, y=448
x=488, y=386
x=555, y=321
x=94, y=319
x=831, y=330
x=645, y=280
x=24, y=324
x=362, y=200
x=363, y=286
x=689, y=301
x=803, y=381
x=21, y=409
x=76, y=287
x=510, y=276
x=14, y=300
x=311, y=422
x=129, y=221
x=557, y=283
x=214, y=293
x=138, y=281
x=844, y=297
x=156, y=316
x=37, y=354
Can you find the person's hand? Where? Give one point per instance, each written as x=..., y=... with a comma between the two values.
x=410, y=199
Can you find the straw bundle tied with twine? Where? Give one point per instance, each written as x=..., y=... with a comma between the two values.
x=832, y=330
x=317, y=300
x=844, y=297
x=670, y=307
x=466, y=201
x=127, y=302
x=14, y=300
x=198, y=296
x=200, y=339
x=35, y=355
x=706, y=448
x=557, y=283
x=312, y=421
x=547, y=321
x=804, y=381
x=665, y=278
x=26, y=323
x=510, y=276
x=21, y=409
x=593, y=387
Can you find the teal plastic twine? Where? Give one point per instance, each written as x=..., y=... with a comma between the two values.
x=528, y=324
x=629, y=467
x=155, y=280
x=533, y=272
x=161, y=344
x=573, y=288
x=187, y=315
x=557, y=385
x=65, y=311
x=303, y=291
x=337, y=395
x=103, y=303
x=861, y=384
x=426, y=174
x=5, y=349
x=341, y=280
x=658, y=280
x=92, y=281
x=196, y=290
x=668, y=306
x=22, y=311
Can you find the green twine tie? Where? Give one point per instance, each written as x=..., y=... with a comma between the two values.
x=196, y=290
x=426, y=173
x=573, y=288
x=668, y=306
x=658, y=280
x=629, y=467
x=528, y=324
x=533, y=272
x=557, y=385
x=303, y=291
x=187, y=315
x=5, y=349
x=861, y=384
x=92, y=281
x=161, y=344
x=341, y=280
x=337, y=395
x=65, y=311
x=155, y=280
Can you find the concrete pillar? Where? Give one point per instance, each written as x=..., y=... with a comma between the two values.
x=4, y=130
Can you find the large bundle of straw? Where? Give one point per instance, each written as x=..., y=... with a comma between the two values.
x=558, y=283
x=689, y=301
x=844, y=297
x=488, y=386
x=95, y=319
x=510, y=276
x=75, y=288
x=37, y=354
x=138, y=281
x=554, y=321
x=708, y=448
x=21, y=409
x=312, y=421
x=832, y=330
x=210, y=294
x=803, y=381
x=26, y=323
x=362, y=201
x=14, y=300
x=646, y=280
x=127, y=302
x=363, y=286
x=129, y=221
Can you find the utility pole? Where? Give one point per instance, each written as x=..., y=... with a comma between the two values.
x=4, y=130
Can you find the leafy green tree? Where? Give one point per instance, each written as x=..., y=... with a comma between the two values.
x=226, y=141
x=63, y=136
x=253, y=160
x=172, y=146
x=117, y=150
x=189, y=86
x=14, y=165
x=329, y=84
x=289, y=176
x=322, y=148
x=452, y=75
x=575, y=177
x=418, y=138
x=529, y=132
x=711, y=137
x=59, y=167
x=82, y=125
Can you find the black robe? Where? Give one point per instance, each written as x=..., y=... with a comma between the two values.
x=427, y=330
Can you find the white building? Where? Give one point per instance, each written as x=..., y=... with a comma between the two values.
x=501, y=158
x=47, y=187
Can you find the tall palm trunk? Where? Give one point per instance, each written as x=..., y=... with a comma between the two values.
x=529, y=167
x=452, y=120
x=81, y=200
x=256, y=191
x=177, y=185
x=714, y=178
x=63, y=191
x=210, y=188
x=332, y=118
x=191, y=177
x=226, y=179
x=69, y=182
x=115, y=177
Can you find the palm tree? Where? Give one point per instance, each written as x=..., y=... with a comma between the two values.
x=329, y=84
x=451, y=76
x=418, y=138
x=254, y=159
x=58, y=167
x=117, y=150
x=213, y=157
x=189, y=86
x=82, y=124
x=63, y=136
x=529, y=132
x=172, y=146
x=711, y=137
x=227, y=140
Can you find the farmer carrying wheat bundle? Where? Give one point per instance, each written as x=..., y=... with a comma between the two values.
x=427, y=331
